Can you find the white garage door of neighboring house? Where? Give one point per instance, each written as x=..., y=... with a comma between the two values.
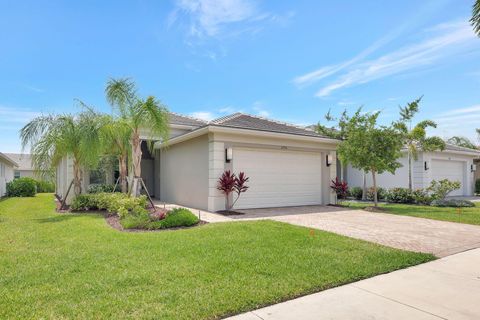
x=279, y=177
x=451, y=170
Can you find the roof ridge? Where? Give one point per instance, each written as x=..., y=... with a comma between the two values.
x=225, y=118
x=187, y=116
x=277, y=121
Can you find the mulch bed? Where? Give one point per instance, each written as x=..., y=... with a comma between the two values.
x=114, y=222
x=229, y=213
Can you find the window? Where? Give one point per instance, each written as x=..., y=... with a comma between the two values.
x=16, y=175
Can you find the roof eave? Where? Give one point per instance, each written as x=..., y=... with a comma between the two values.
x=251, y=132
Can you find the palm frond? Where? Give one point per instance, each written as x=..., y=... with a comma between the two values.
x=475, y=20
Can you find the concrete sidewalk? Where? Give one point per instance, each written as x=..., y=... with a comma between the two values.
x=448, y=288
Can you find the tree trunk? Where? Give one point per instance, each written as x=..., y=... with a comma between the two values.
x=375, y=197
x=228, y=202
x=77, y=178
x=122, y=166
x=364, y=190
x=137, y=163
x=410, y=171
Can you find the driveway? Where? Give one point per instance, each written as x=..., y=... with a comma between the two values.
x=448, y=288
x=409, y=233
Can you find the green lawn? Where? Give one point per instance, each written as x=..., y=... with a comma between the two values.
x=465, y=215
x=76, y=266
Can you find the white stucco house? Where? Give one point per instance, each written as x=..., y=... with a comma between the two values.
x=454, y=163
x=287, y=165
x=24, y=168
x=7, y=167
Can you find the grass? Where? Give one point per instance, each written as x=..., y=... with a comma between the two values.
x=461, y=215
x=60, y=266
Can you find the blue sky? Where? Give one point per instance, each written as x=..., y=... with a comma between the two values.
x=288, y=60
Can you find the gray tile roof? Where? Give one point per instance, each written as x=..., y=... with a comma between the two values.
x=246, y=121
x=176, y=118
x=24, y=161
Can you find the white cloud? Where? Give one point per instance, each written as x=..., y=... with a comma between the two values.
x=209, y=16
x=458, y=122
x=441, y=41
x=203, y=115
x=17, y=115
x=259, y=108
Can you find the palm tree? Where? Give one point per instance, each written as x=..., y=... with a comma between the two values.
x=53, y=137
x=416, y=139
x=115, y=136
x=475, y=20
x=137, y=114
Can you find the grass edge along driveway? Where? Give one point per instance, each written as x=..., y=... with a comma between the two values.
x=76, y=266
x=459, y=215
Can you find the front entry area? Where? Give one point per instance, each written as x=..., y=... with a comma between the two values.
x=279, y=178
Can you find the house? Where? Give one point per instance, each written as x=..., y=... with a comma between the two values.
x=287, y=165
x=454, y=163
x=7, y=166
x=24, y=161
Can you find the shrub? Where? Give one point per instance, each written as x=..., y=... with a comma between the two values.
x=381, y=193
x=83, y=202
x=356, y=192
x=45, y=186
x=440, y=189
x=399, y=195
x=452, y=203
x=477, y=186
x=22, y=187
x=421, y=196
x=230, y=183
x=179, y=217
x=99, y=188
x=340, y=188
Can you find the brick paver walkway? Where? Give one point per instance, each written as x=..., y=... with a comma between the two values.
x=414, y=234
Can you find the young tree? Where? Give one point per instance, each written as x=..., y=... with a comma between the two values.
x=369, y=147
x=416, y=139
x=338, y=132
x=53, y=137
x=137, y=114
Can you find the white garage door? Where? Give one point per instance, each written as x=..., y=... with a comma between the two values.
x=451, y=170
x=279, y=177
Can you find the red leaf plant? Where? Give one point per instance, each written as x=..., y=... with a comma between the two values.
x=340, y=188
x=229, y=183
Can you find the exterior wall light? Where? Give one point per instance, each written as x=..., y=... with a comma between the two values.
x=329, y=160
x=228, y=155
x=426, y=166
x=473, y=167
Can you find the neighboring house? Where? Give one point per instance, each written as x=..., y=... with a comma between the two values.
x=454, y=163
x=7, y=166
x=24, y=161
x=287, y=165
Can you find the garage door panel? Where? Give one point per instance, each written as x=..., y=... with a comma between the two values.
x=451, y=170
x=279, y=177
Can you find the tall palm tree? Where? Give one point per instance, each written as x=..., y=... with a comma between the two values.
x=475, y=20
x=137, y=114
x=115, y=136
x=53, y=137
x=416, y=139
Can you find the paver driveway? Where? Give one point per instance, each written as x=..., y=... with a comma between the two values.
x=414, y=234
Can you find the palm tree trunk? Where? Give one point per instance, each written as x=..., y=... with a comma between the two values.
x=410, y=171
x=375, y=197
x=137, y=162
x=77, y=178
x=122, y=165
